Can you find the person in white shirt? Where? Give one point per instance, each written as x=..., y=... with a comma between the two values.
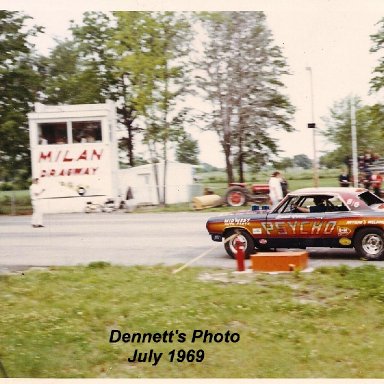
x=275, y=189
x=35, y=191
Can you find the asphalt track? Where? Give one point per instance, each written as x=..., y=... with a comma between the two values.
x=127, y=239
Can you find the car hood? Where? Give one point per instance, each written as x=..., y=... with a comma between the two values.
x=232, y=216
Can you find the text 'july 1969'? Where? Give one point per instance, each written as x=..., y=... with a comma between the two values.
x=169, y=337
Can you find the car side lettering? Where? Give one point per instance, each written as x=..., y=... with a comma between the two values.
x=281, y=228
x=293, y=226
x=304, y=224
x=299, y=227
x=236, y=221
x=268, y=227
x=353, y=203
x=329, y=227
x=356, y=222
x=316, y=228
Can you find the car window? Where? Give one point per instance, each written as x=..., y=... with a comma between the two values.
x=370, y=198
x=287, y=206
x=308, y=202
x=301, y=201
x=336, y=204
x=332, y=203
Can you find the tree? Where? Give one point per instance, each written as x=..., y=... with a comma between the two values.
x=90, y=68
x=331, y=160
x=61, y=75
x=302, y=161
x=172, y=37
x=133, y=59
x=82, y=69
x=100, y=46
x=153, y=47
x=133, y=44
x=18, y=90
x=377, y=82
x=94, y=42
x=284, y=163
x=241, y=78
x=187, y=149
x=369, y=128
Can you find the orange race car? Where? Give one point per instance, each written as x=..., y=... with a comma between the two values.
x=309, y=217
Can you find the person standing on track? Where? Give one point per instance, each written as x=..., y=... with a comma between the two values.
x=275, y=189
x=376, y=181
x=35, y=191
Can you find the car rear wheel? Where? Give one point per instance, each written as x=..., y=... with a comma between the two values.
x=369, y=244
x=236, y=196
x=243, y=236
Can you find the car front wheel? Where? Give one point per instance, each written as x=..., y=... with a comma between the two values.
x=369, y=244
x=245, y=238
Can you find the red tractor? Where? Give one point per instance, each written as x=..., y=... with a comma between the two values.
x=238, y=194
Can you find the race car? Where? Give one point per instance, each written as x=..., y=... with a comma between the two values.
x=309, y=217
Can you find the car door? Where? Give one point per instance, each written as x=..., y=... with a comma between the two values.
x=286, y=228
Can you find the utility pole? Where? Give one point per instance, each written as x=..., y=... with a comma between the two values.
x=312, y=125
x=354, y=145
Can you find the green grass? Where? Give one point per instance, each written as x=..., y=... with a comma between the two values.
x=216, y=181
x=15, y=203
x=219, y=188
x=326, y=324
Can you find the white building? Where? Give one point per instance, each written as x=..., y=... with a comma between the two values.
x=180, y=183
x=74, y=154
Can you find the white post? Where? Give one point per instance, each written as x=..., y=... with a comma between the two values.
x=354, y=145
x=315, y=167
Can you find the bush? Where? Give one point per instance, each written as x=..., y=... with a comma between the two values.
x=6, y=186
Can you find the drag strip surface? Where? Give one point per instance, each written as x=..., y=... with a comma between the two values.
x=127, y=239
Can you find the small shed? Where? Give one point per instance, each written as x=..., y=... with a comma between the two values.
x=145, y=183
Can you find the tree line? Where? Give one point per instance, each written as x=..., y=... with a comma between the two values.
x=152, y=64
x=369, y=118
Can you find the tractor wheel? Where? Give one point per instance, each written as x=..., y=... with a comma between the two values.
x=236, y=196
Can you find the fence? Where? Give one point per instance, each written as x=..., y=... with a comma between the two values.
x=15, y=203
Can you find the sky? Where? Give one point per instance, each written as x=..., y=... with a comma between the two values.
x=332, y=37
